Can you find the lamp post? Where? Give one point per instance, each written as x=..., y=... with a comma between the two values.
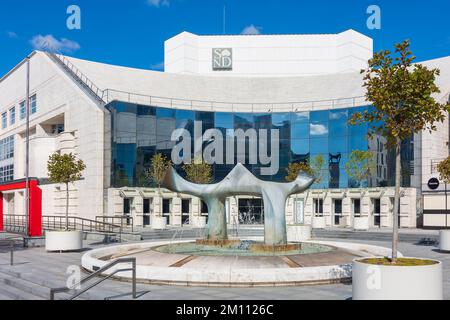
x=27, y=149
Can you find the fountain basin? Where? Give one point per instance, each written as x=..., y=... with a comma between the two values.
x=233, y=271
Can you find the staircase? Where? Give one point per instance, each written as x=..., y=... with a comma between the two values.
x=94, y=91
x=190, y=233
x=371, y=235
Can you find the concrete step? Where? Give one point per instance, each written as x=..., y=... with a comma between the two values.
x=371, y=236
x=28, y=287
x=10, y=289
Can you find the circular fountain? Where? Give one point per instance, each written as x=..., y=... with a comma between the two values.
x=217, y=260
x=191, y=264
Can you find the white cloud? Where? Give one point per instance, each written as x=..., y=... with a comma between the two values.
x=158, y=3
x=50, y=43
x=318, y=129
x=157, y=66
x=251, y=30
x=12, y=34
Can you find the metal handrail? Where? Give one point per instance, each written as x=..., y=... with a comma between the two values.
x=53, y=291
x=16, y=222
x=127, y=219
x=215, y=105
x=107, y=96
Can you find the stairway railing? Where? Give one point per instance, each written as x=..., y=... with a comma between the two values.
x=63, y=61
x=99, y=272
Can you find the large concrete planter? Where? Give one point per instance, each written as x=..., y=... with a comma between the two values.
x=298, y=233
x=318, y=223
x=159, y=223
x=63, y=240
x=198, y=222
x=444, y=240
x=374, y=282
x=361, y=223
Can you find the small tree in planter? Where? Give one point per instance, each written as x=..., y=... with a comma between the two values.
x=360, y=166
x=158, y=169
x=444, y=170
x=65, y=169
x=403, y=98
x=313, y=168
x=198, y=172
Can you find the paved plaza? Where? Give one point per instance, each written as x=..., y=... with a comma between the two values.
x=36, y=271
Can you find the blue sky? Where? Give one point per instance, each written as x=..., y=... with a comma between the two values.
x=132, y=32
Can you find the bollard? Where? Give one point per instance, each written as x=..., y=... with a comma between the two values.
x=11, y=262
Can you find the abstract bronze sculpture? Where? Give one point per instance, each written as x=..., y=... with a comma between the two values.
x=240, y=181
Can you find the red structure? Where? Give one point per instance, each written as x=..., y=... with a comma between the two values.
x=35, y=208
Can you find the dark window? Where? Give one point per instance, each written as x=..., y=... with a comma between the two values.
x=166, y=206
x=204, y=208
x=146, y=206
x=185, y=206
x=126, y=206
x=318, y=207
x=357, y=207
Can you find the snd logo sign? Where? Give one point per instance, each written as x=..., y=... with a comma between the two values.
x=222, y=59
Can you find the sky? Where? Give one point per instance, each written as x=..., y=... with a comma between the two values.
x=132, y=33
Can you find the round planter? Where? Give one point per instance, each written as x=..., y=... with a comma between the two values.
x=198, y=222
x=318, y=223
x=361, y=223
x=298, y=233
x=63, y=240
x=159, y=223
x=444, y=240
x=375, y=282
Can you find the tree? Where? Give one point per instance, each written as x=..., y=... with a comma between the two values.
x=198, y=172
x=65, y=169
x=313, y=168
x=160, y=165
x=402, y=94
x=360, y=166
x=295, y=168
x=444, y=170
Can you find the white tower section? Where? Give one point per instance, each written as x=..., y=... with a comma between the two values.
x=268, y=55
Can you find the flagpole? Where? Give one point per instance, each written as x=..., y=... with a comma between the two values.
x=27, y=151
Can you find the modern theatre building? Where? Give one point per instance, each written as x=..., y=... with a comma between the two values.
x=304, y=86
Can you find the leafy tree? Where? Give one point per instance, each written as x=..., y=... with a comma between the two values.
x=360, y=165
x=157, y=171
x=295, y=168
x=65, y=168
x=402, y=94
x=444, y=170
x=313, y=168
x=198, y=172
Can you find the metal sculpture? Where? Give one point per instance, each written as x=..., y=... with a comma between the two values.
x=240, y=181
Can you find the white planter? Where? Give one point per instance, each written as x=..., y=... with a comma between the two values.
x=159, y=223
x=318, y=223
x=373, y=282
x=298, y=233
x=444, y=240
x=361, y=223
x=63, y=240
x=198, y=222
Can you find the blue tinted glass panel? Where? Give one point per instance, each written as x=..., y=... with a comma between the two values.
x=319, y=145
x=338, y=145
x=300, y=117
x=300, y=146
x=300, y=130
